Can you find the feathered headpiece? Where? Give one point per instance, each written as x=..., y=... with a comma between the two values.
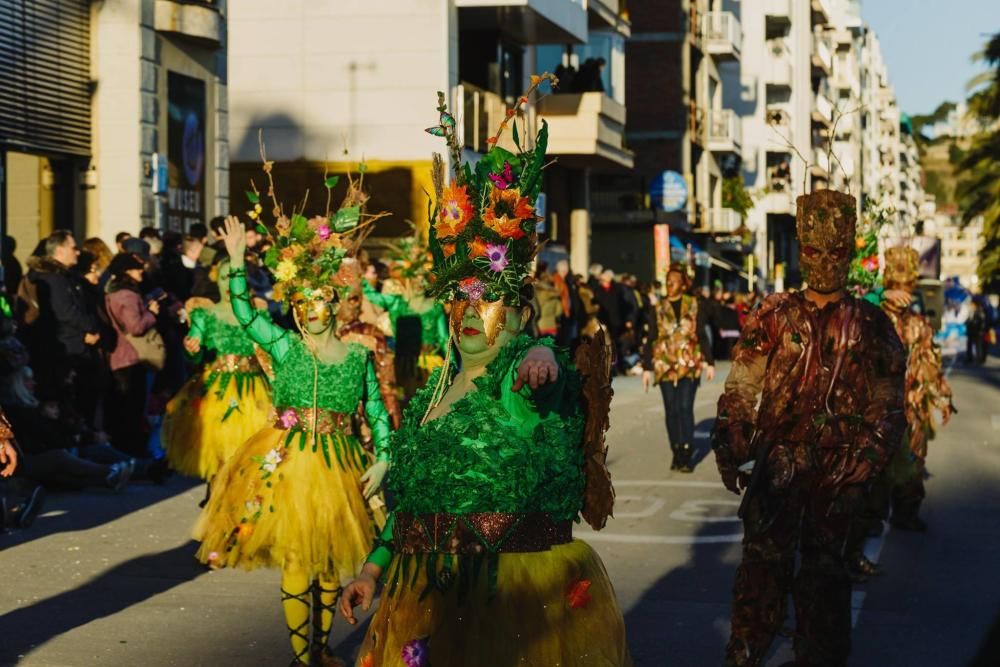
x=482, y=225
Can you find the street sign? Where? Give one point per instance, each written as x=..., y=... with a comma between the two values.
x=668, y=192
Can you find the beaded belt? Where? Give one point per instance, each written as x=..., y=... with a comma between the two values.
x=301, y=419
x=478, y=533
x=235, y=363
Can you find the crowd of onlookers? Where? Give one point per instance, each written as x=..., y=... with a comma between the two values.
x=569, y=306
x=76, y=319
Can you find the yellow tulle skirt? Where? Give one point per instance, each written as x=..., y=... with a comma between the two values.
x=203, y=428
x=550, y=608
x=276, y=505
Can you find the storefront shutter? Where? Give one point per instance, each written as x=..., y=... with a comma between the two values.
x=45, y=76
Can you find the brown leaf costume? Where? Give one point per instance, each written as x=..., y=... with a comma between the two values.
x=829, y=384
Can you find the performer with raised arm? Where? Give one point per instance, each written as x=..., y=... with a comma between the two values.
x=294, y=496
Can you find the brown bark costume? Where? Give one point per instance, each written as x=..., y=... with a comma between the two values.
x=830, y=415
x=926, y=389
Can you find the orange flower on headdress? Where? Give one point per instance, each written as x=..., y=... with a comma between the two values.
x=477, y=248
x=507, y=210
x=455, y=212
x=448, y=249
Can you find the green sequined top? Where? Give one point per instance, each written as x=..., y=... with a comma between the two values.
x=216, y=334
x=433, y=323
x=340, y=387
x=496, y=450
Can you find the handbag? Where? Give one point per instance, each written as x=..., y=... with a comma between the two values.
x=149, y=346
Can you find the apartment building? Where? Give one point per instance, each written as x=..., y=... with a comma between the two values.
x=114, y=116
x=331, y=82
x=681, y=132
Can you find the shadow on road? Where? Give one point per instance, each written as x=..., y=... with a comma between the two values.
x=683, y=618
x=702, y=444
x=116, y=589
x=72, y=511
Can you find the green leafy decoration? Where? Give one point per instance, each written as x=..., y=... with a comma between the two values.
x=346, y=219
x=253, y=197
x=331, y=182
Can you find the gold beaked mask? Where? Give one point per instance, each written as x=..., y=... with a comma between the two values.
x=902, y=268
x=826, y=221
x=492, y=313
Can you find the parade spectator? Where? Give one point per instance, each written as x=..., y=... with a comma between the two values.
x=569, y=298
x=12, y=270
x=183, y=276
x=548, y=307
x=975, y=331
x=64, y=336
x=120, y=239
x=130, y=315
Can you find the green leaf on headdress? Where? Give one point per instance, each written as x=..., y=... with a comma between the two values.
x=300, y=227
x=346, y=219
x=362, y=168
x=261, y=229
x=513, y=129
x=531, y=178
x=253, y=197
x=331, y=182
x=271, y=257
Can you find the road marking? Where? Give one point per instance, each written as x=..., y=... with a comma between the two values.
x=693, y=484
x=622, y=538
x=995, y=422
x=655, y=507
x=694, y=510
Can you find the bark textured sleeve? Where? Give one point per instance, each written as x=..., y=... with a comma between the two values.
x=736, y=416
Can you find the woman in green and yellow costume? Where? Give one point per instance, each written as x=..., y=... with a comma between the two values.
x=295, y=495
x=496, y=458
x=227, y=402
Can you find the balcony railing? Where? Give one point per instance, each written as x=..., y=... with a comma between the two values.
x=722, y=220
x=822, y=54
x=586, y=129
x=722, y=34
x=822, y=109
x=779, y=65
x=725, y=132
x=482, y=113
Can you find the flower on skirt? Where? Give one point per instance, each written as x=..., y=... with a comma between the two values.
x=289, y=418
x=577, y=595
x=271, y=460
x=415, y=653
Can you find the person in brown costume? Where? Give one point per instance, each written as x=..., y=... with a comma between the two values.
x=828, y=372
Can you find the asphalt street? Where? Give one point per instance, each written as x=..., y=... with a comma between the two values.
x=110, y=579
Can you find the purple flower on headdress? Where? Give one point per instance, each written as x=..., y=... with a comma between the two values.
x=497, y=254
x=415, y=653
x=473, y=288
x=324, y=232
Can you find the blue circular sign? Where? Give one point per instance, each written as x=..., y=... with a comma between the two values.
x=668, y=192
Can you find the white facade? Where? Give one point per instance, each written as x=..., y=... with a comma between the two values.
x=817, y=111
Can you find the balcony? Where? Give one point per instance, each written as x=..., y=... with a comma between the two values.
x=201, y=22
x=781, y=202
x=822, y=54
x=779, y=67
x=822, y=111
x=725, y=133
x=722, y=221
x=482, y=113
x=722, y=35
x=778, y=12
x=608, y=14
x=586, y=130
x=820, y=167
x=820, y=11
x=529, y=21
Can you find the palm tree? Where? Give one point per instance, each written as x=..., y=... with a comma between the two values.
x=978, y=191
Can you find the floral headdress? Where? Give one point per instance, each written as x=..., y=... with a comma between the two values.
x=482, y=233
x=307, y=254
x=410, y=258
x=864, y=274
